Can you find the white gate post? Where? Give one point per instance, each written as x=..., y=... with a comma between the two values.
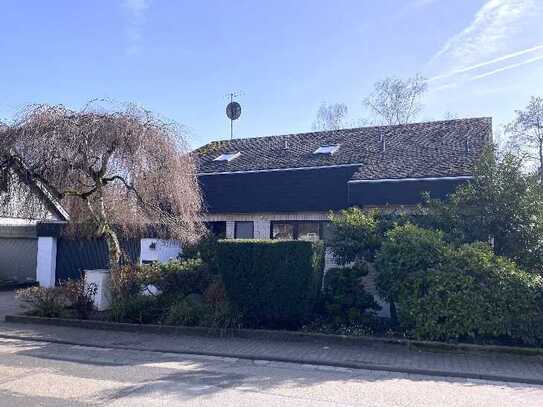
x=46, y=261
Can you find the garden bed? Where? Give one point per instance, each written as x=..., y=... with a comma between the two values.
x=271, y=335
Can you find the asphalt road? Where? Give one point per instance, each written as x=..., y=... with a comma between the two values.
x=46, y=374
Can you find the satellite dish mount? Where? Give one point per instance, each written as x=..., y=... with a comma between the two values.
x=233, y=112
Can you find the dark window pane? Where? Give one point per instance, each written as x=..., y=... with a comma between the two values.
x=327, y=231
x=308, y=231
x=283, y=231
x=244, y=230
x=217, y=229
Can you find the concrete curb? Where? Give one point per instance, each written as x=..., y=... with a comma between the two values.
x=262, y=334
x=304, y=361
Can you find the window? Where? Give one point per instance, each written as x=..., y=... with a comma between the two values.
x=282, y=231
x=244, y=230
x=217, y=229
x=309, y=231
x=227, y=156
x=298, y=230
x=328, y=149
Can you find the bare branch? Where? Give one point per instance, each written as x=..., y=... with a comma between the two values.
x=120, y=168
x=396, y=101
x=526, y=132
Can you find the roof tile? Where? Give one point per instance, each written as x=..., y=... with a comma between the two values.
x=430, y=149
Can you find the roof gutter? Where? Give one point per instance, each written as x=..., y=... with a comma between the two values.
x=371, y=181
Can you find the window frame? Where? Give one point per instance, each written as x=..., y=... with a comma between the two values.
x=236, y=229
x=327, y=149
x=227, y=156
x=296, y=227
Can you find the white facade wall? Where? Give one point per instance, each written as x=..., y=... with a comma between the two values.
x=262, y=229
x=159, y=250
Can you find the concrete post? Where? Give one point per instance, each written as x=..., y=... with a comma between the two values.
x=101, y=279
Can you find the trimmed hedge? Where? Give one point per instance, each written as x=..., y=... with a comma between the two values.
x=272, y=283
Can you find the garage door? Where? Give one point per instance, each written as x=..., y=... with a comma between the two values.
x=18, y=259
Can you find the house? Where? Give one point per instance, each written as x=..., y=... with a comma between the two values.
x=33, y=248
x=284, y=187
x=30, y=222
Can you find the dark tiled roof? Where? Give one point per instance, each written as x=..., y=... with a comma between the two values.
x=432, y=149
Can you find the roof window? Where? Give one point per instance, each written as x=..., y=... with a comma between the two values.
x=327, y=149
x=227, y=156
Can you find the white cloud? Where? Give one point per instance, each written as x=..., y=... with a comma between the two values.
x=491, y=30
x=486, y=63
x=507, y=68
x=135, y=15
x=499, y=35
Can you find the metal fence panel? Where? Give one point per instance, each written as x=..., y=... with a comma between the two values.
x=74, y=256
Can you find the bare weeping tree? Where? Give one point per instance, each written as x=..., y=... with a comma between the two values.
x=115, y=170
x=526, y=132
x=331, y=117
x=395, y=100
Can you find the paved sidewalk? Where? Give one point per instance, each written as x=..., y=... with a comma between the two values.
x=384, y=357
x=378, y=356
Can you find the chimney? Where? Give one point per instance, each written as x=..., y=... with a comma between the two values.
x=286, y=144
x=467, y=146
x=383, y=145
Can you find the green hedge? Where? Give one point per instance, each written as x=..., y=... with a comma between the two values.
x=273, y=283
x=474, y=294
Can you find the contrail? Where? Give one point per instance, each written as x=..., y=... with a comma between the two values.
x=506, y=68
x=482, y=64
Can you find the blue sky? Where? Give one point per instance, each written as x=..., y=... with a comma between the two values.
x=180, y=58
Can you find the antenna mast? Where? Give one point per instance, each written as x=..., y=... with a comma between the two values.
x=233, y=111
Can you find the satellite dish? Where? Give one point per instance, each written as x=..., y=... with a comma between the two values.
x=233, y=110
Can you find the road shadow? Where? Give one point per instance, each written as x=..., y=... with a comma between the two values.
x=142, y=373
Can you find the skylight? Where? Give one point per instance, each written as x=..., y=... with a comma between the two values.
x=328, y=149
x=227, y=156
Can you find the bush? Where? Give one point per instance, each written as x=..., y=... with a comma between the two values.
x=345, y=301
x=273, y=283
x=128, y=281
x=474, y=294
x=42, y=302
x=356, y=234
x=181, y=278
x=80, y=297
x=138, y=309
x=502, y=201
x=187, y=311
x=219, y=311
x=405, y=250
x=128, y=304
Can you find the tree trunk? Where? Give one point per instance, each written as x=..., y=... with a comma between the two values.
x=114, y=247
x=541, y=162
